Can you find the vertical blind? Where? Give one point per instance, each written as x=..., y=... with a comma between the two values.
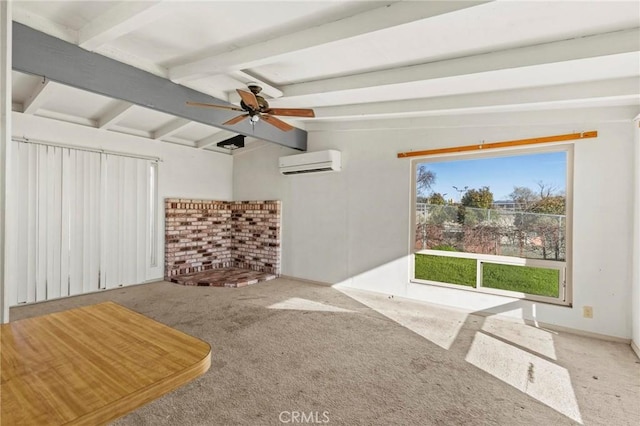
x=82, y=221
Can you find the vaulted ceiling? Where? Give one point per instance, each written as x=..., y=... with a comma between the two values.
x=352, y=61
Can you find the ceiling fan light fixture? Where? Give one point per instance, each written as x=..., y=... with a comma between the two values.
x=254, y=105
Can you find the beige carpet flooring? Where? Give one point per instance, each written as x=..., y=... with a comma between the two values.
x=285, y=349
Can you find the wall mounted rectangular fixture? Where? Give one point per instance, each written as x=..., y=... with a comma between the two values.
x=506, y=144
x=232, y=143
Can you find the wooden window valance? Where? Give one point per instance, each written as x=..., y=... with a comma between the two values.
x=506, y=144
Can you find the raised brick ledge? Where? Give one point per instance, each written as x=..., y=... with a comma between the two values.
x=226, y=277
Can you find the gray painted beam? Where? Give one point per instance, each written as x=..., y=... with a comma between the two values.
x=40, y=54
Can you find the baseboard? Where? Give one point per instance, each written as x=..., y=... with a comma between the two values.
x=578, y=332
x=102, y=290
x=322, y=283
x=538, y=324
x=487, y=313
x=558, y=328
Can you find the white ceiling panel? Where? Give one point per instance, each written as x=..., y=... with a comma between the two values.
x=23, y=85
x=79, y=103
x=196, y=28
x=218, y=86
x=594, y=69
x=71, y=14
x=144, y=119
x=480, y=29
x=351, y=61
x=196, y=131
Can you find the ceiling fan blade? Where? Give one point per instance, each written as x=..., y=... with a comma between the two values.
x=249, y=99
x=237, y=119
x=291, y=112
x=277, y=122
x=200, y=104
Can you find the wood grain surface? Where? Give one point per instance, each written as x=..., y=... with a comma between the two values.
x=506, y=144
x=91, y=365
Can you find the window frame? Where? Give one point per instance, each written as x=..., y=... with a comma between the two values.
x=565, y=291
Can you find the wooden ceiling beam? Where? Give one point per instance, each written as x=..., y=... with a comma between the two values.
x=615, y=43
x=121, y=19
x=170, y=128
x=114, y=115
x=618, y=91
x=42, y=92
x=268, y=51
x=40, y=54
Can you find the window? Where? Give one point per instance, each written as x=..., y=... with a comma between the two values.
x=495, y=224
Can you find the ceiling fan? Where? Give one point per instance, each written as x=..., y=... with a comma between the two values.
x=257, y=108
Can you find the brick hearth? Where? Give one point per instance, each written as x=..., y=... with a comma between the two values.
x=227, y=277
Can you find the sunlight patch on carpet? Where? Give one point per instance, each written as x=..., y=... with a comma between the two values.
x=520, y=334
x=438, y=325
x=298, y=304
x=541, y=379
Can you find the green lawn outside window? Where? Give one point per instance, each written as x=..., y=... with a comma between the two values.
x=462, y=271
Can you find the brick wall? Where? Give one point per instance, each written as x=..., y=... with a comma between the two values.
x=255, y=235
x=206, y=234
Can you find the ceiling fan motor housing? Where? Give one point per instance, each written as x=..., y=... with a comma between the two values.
x=262, y=103
x=254, y=88
x=255, y=107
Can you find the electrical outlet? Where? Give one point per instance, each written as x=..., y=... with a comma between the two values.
x=587, y=311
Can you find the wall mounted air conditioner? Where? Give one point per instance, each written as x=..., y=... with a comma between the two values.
x=311, y=162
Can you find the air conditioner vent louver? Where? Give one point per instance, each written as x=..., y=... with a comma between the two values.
x=311, y=162
x=299, y=172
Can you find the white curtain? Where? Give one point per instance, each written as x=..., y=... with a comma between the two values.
x=81, y=222
x=126, y=216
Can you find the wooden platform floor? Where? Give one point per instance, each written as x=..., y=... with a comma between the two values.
x=91, y=365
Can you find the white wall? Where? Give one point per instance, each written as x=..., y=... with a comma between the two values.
x=183, y=172
x=6, y=25
x=352, y=227
x=635, y=303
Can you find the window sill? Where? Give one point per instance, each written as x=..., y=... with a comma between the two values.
x=495, y=292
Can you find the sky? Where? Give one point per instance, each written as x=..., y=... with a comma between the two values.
x=500, y=174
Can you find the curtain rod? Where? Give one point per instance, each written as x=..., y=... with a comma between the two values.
x=100, y=151
x=493, y=145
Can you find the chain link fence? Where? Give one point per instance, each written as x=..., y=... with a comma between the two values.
x=491, y=231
